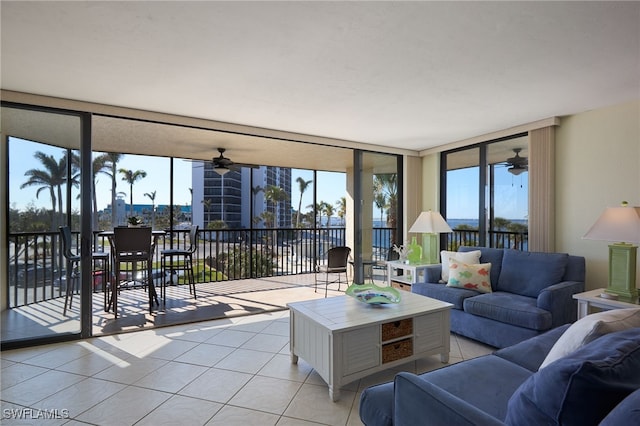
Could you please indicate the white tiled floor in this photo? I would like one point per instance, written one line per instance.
(223, 372)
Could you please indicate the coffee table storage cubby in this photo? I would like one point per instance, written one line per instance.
(344, 339)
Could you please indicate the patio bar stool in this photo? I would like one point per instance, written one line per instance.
(102, 272)
(72, 260)
(172, 260)
(130, 246)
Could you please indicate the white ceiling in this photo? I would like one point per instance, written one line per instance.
(410, 75)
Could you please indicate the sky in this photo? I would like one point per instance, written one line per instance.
(330, 185)
(462, 195)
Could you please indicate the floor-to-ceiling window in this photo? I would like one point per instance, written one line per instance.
(485, 194)
(376, 196)
(44, 180)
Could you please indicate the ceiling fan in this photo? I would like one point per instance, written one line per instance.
(222, 165)
(516, 164)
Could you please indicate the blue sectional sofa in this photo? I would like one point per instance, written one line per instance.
(531, 293)
(598, 383)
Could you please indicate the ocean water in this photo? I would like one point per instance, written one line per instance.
(381, 240)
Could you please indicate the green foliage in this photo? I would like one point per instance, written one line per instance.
(217, 224)
(235, 263)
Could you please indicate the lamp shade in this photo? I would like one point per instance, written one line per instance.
(431, 223)
(221, 170)
(617, 224)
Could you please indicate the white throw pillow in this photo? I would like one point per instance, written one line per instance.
(468, 257)
(590, 328)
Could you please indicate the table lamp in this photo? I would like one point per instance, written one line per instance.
(430, 224)
(622, 225)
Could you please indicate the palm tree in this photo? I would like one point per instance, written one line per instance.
(254, 192)
(51, 178)
(380, 200)
(328, 211)
(274, 195)
(388, 184)
(152, 197)
(111, 161)
(131, 177)
(303, 185)
(207, 205)
(317, 212)
(98, 165)
(342, 208)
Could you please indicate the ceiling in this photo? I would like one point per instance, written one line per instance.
(407, 75)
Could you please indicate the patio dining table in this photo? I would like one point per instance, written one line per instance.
(153, 295)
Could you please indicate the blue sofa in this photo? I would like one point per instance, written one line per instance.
(531, 293)
(599, 382)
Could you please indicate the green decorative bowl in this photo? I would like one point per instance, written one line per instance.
(373, 294)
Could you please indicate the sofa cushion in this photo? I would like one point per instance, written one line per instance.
(466, 257)
(488, 255)
(531, 352)
(528, 273)
(625, 413)
(455, 296)
(509, 308)
(471, 276)
(469, 381)
(583, 387)
(590, 328)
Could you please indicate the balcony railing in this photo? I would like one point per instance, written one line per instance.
(497, 239)
(37, 266)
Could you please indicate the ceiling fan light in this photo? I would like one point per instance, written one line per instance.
(516, 170)
(221, 170)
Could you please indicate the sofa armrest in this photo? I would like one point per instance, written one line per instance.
(433, 273)
(558, 299)
(417, 401)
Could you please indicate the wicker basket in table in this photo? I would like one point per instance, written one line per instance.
(397, 350)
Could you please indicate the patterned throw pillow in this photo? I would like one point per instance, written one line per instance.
(472, 277)
(470, 257)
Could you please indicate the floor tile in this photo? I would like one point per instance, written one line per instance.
(280, 367)
(168, 349)
(181, 410)
(39, 387)
(236, 416)
(131, 370)
(18, 373)
(232, 338)
(245, 360)
(266, 394)
(193, 334)
(89, 365)
(171, 377)
(205, 354)
(279, 328)
(81, 396)
(312, 403)
(125, 407)
(289, 421)
(61, 354)
(209, 385)
(267, 343)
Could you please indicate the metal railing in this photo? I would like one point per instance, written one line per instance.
(497, 239)
(37, 267)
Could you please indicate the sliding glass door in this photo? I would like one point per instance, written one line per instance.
(41, 297)
(485, 194)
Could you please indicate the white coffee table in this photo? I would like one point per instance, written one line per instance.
(344, 339)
